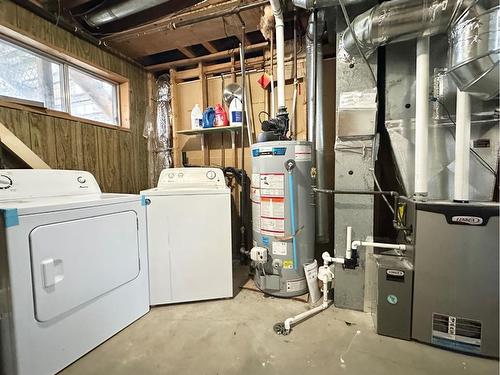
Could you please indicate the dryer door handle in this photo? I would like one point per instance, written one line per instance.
(52, 272)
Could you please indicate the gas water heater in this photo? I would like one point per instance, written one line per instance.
(283, 216)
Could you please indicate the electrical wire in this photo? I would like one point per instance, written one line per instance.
(483, 162)
(263, 112)
(380, 189)
(356, 41)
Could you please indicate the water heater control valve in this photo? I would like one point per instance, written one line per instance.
(258, 254)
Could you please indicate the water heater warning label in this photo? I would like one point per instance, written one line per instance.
(272, 184)
(272, 207)
(280, 248)
(255, 198)
(272, 226)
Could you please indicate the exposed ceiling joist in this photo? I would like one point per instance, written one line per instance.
(211, 57)
(187, 52)
(160, 37)
(210, 47)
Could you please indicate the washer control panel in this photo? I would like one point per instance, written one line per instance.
(33, 183)
(192, 177)
(5, 182)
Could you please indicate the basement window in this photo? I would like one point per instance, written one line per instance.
(32, 77)
(26, 75)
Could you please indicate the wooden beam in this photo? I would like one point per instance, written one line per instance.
(17, 147)
(175, 119)
(196, 60)
(205, 145)
(252, 63)
(210, 47)
(187, 52)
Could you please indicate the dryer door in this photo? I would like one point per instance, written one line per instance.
(77, 261)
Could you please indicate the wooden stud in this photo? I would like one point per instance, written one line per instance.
(175, 118)
(204, 103)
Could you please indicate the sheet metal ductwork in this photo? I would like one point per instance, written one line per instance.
(473, 28)
(121, 10)
(474, 44)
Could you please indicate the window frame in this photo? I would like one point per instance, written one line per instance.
(40, 49)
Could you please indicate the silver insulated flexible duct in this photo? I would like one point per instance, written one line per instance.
(473, 27)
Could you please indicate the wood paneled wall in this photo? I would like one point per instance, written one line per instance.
(117, 157)
(188, 94)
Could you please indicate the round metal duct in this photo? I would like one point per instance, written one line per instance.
(474, 52)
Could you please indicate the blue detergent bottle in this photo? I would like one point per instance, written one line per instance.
(208, 117)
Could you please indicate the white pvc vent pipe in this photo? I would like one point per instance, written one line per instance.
(280, 50)
(462, 141)
(422, 118)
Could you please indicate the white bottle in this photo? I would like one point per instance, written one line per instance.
(196, 117)
(235, 113)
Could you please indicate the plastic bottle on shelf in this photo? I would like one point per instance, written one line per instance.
(235, 113)
(208, 117)
(196, 117)
(220, 116)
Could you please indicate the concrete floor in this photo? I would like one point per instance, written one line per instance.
(235, 337)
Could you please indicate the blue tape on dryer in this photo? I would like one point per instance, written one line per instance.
(10, 217)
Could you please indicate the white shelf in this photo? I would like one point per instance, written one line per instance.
(202, 131)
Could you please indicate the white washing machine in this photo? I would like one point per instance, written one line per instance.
(73, 267)
(189, 236)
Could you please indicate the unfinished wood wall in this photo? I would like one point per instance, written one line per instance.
(187, 94)
(117, 157)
